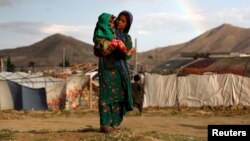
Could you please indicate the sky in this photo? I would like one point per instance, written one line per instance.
(156, 23)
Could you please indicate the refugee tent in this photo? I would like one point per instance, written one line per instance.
(74, 88)
(208, 90)
(17, 93)
(30, 80)
(67, 94)
(160, 90)
(40, 81)
(196, 90)
(34, 99)
(56, 96)
(6, 101)
(25, 98)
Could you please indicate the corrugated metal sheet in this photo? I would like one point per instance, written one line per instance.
(233, 65)
(199, 67)
(171, 66)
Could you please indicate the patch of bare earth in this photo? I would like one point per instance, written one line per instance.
(84, 124)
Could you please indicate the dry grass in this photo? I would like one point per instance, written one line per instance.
(90, 133)
(125, 134)
(5, 134)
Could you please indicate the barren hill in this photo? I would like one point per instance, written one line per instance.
(49, 52)
(225, 38)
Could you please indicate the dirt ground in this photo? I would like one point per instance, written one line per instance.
(84, 124)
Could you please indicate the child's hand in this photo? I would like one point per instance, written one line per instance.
(118, 44)
(121, 46)
(114, 43)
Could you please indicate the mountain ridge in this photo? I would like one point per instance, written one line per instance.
(224, 38)
(49, 52)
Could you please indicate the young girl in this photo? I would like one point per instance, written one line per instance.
(115, 86)
(105, 30)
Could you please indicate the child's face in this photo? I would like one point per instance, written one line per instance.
(122, 23)
(112, 20)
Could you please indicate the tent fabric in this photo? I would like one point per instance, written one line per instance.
(25, 98)
(160, 90)
(67, 94)
(74, 88)
(212, 90)
(29, 80)
(196, 90)
(244, 96)
(34, 99)
(27, 90)
(56, 96)
(6, 101)
(247, 70)
(40, 81)
(16, 92)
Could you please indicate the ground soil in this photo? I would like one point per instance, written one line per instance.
(84, 123)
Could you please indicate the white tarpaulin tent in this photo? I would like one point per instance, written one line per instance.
(18, 97)
(6, 101)
(30, 80)
(24, 91)
(196, 90)
(15, 92)
(160, 90)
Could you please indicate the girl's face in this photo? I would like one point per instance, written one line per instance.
(122, 23)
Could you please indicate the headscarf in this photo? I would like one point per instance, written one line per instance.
(129, 18)
(103, 28)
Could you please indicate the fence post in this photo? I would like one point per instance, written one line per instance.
(91, 92)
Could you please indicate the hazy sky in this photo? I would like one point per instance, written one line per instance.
(157, 23)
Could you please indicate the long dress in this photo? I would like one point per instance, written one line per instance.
(115, 85)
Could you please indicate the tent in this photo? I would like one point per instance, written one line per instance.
(34, 99)
(74, 88)
(196, 90)
(30, 80)
(25, 98)
(6, 101)
(17, 93)
(67, 94)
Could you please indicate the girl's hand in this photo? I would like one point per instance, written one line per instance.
(122, 47)
(131, 51)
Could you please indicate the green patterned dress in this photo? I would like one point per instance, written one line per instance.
(115, 85)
